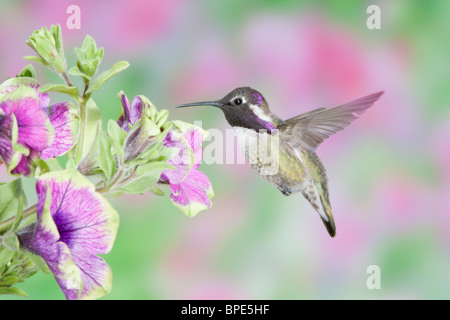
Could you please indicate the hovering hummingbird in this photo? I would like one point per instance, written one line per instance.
(299, 167)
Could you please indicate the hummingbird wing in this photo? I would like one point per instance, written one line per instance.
(309, 129)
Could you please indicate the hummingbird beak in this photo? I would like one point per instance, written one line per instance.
(203, 103)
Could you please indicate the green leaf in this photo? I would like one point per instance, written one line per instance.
(105, 76)
(43, 167)
(10, 194)
(116, 134)
(106, 160)
(13, 290)
(141, 184)
(89, 47)
(165, 128)
(52, 164)
(18, 219)
(93, 122)
(70, 164)
(74, 71)
(96, 62)
(11, 242)
(72, 90)
(152, 152)
(48, 46)
(150, 109)
(15, 267)
(165, 154)
(156, 191)
(57, 35)
(36, 59)
(161, 117)
(99, 54)
(113, 193)
(117, 137)
(133, 163)
(153, 168)
(39, 262)
(150, 128)
(5, 257)
(10, 280)
(28, 72)
(88, 68)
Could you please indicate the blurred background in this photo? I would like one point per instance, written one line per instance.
(389, 171)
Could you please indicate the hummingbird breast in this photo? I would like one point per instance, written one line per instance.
(272, 158)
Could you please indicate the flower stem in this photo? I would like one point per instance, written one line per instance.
(112, 184)
(130, 177)
(9, 222)
(67, 79)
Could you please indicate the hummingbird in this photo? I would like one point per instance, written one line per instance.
(299, 169)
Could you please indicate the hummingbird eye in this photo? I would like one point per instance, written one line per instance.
(237, 101)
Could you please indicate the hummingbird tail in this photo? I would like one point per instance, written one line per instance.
(318, 197)
(330, 225)
(328, 219)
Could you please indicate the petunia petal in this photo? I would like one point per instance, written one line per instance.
(191, 189)
(64, 119)
(137, 108)
(124, 118)
(56, 253)
(12, 84)
(25, 163)
(195, 138)
(182, 162)
(130, 114)
(34, 127)
(9, 156)
(96, 275)
(24, 129)
(193, 194)
(81, 220)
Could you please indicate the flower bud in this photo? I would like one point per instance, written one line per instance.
(48, 46)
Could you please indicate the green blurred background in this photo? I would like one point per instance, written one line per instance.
(389, 171)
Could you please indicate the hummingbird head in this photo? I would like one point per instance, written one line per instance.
(243, 107)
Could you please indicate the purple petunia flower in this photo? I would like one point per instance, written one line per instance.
(130, 114)
(29, 128)
(191, 189)
(25, 130)
(74, 224)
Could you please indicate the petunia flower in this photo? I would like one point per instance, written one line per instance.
(130, 114)
(64, 119)
(74, 224)
(191, 189)
(25, 130)
(138, 122)
(42, 130)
